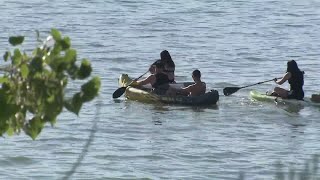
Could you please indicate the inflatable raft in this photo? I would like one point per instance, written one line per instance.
(145, 94)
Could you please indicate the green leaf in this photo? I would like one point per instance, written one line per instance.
(53, 109)
(50, 99)
(56, 49)
(10, 131)
(34, 127)
(90, 89)
(65, 43)
(85, 69)
(16, 40)
(56, 34)
(36, 64)
(4, 80)
(17, 57)
(3, 126)
(53, 121)
(24, 71)
(6, 111)
(6, 56)
(73, 71)
(70, 56)
(74, 105)
(64, 82)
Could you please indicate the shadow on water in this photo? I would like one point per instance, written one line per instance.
(291, 110)
(170, 107)
(88, 143)
(162, 109)
(310, 171)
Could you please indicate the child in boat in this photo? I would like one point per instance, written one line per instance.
(158, 79)
(169, 66)
(196, 89)
(295, 78)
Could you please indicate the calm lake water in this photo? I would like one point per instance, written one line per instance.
(233, 43)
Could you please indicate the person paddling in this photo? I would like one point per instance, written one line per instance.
(158, 79)
(196, 89)
(169, 66)
(296, 80)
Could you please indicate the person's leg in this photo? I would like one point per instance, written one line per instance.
(171, 91)
(162, 89)
(280, 92)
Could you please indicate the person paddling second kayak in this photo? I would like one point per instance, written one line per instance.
(295, 78)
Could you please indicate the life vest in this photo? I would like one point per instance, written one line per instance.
(296, 85)
(161, 79)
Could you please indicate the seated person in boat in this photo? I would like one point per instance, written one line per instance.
(158, 80)
(196, 89)
(169, 66)
(295, 78)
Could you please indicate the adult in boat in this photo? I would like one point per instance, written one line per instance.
(169, 66)
(295, 78)
(196, 89)
(158, 79)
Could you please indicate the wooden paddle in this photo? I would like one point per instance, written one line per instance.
(119, 92)
(230, 90)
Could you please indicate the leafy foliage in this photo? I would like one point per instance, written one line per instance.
(33, 87)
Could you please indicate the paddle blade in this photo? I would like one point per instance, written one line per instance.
(119, 92)
(230, 90)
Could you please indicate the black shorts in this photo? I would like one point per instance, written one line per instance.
(295, 95)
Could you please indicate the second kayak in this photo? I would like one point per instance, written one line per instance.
(256, 95)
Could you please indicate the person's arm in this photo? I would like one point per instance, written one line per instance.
(149, 80)
(187, 90)
(152, 69)
(284, 79)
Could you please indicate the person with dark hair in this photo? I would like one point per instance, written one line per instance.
(196, 89)
(296, 80)
(157, 79)
(169, 66)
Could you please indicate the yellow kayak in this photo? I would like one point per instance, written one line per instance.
(145, 94)
(258, 96)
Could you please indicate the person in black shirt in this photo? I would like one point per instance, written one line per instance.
(158, 79)
(296, 80)
(169, 66)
